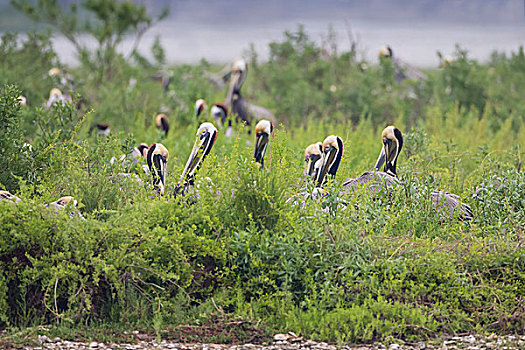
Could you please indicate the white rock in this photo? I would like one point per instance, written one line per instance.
(93, 345)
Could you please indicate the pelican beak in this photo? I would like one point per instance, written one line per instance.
(326, 163)
(333, 149)
(381, 158)
(234, 86)
(157, 159)
(313, 162)
(261, 141)
(206, 136)
(263, 129)
(160, 162)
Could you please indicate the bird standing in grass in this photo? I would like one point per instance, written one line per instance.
(245, 111)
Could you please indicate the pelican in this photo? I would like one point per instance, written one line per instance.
(140, 152)
(102, 129)
(163, 77)
(56, 97)
(200, 104)
(237, 104)
(161, 121)
(205, 139)
(219, 112)
(22, 101)
(321, 159)
(62, 203)
(312, 158)
(332, 151)
(157, 159)
(403, 69)
(263, 130)
(392, 139)
(7, 196)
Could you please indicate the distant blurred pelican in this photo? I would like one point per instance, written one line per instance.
(403, 69)
(244, 110)
(102, 129)
(161, 121)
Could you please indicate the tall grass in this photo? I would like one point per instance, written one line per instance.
(387, 267)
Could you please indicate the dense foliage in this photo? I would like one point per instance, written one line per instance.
(385, 268)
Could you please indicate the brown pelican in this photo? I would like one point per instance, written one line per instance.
(263, 130)
(320, 159)
(163, 77)
(332, 151)
(219, 113)
(392, 139)
(312, 156)
(200, 104)
(392, 144)
(161, 121)
(6, 196)
(61, 78)
(140, 152)
(22, 101)
(237, 104)
(63, 203)
(56, 97)
(403, 69)
(157, 159)
(102, 129)
(205, 139)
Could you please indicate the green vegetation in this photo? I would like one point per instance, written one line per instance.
(386, 268)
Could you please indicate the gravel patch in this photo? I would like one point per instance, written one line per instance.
(292, 342)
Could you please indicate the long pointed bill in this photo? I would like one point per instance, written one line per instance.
(380, 159)
(234, 82)
(311, 165)
(160, 166)
(201, 148)
(261, 142)
(326, 164)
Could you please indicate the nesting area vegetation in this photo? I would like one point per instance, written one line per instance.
(383, 267)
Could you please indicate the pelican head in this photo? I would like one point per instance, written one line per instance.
(392, 145)
(263, 130)
(205, 139)
(385, 51)
(157, 159)
(7, 196)
(61, 203)
(199, 106)
(53, 72)
(238, 74)
(143, 150)
(219, 112)
(161, 121)
(22, 101)
(55, 93)
(312, 158)
(65, 201)
(332, 151)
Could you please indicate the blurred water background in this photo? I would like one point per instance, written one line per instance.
(221, 30)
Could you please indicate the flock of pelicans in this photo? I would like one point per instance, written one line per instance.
(322, 159)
